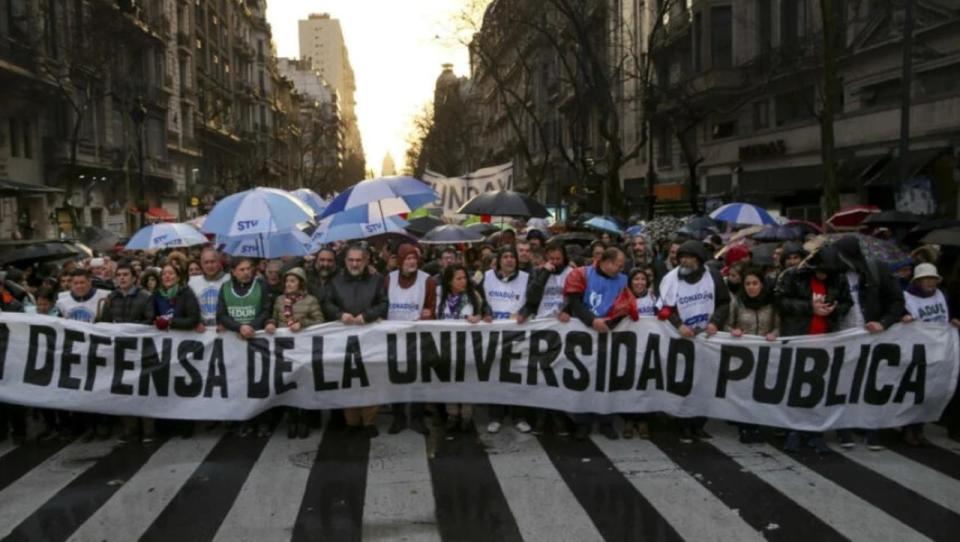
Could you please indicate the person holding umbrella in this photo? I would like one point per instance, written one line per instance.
(296, 310)
(412, 296)
(505, 290)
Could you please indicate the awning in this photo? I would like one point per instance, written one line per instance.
(15, 187)
(918, 162)
(159, 213)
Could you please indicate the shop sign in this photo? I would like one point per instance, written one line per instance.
(762, 151)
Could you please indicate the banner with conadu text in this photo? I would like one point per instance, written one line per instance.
(904, 375)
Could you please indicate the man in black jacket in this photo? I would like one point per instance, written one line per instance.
(357, 297)
(13, 418)
(128, 304)
(877, 304)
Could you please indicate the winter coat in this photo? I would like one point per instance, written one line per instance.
(759, 321)
(136, 308)
(794, 300)
(363, 294)
(306, 311)
(186, 308)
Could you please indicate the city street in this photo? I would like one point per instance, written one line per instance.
(502, 487)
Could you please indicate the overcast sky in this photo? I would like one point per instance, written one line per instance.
(396, 48)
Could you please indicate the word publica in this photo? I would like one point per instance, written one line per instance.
(812, 377)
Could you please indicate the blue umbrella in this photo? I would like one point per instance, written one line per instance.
(386, 196)
(743, 213)
(634, 230)
(603, 224)
(273, 245)
(328, 232)
(259, 211)
(166, 235)
(311, 198)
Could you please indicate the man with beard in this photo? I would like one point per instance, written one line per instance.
(591, 293)
(324, 269)
(505, 290)
(412, 295)
(641, 256)
(357, 297)
(524, 256)
(207, 286)
(694, 299)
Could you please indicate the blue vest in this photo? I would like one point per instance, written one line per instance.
(601, 291)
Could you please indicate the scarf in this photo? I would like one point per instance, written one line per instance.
(289, 300)
(169, 293)
(916, 290)
(755, 303)
(455, 304)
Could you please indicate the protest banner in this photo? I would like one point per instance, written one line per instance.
(849, 379)
(455, 191)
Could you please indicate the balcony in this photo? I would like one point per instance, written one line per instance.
(18, 54)
(184, 42)
(244, 50)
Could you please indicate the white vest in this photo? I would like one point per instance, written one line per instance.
(208, 292)
(854, 318)
(553, 300)
(81, 311)
(695, 303)
(406, 303)
(505, 298)
(647, 305)
(927, 309)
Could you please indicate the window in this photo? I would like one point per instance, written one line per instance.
(794, 105)
(698, 42)
(940, 80)
(14, 138)
(721, 36)
(27, 140)
(764, 25)
(793, 22)
(725, 129)
(665, 146)
(761, 115)
(880, 94)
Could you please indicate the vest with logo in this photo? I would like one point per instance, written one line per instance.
(553, 300)
(406, 303)
(602, 291)
(927, 309)
(505, 298)
(243, 308)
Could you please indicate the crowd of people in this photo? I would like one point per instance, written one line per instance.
(515, 275)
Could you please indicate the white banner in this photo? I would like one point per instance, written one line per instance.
(455, 191)
(848, 379)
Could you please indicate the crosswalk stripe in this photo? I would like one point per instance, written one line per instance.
(73, 504)
(762, 506)
(937, 436)
(618, 510)
(32, 490)
(462, 477)
(22, 459)
(332, 505)
(938, 459)
(269, 500)
(916, 477)
(399, 502)
(131, 510)
(211, 488)
(543, 506)
(911, 508)
(674, 493)
(853, 517)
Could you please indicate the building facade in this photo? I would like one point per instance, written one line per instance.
(113, 109)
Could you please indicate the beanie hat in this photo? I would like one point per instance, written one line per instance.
(405, 250)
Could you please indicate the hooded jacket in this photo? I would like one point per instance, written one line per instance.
(879, 293)
(794, 296)
(721, 295)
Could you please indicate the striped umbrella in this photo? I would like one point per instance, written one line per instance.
(743, 213)
(257, 211)
(386, 196)
(311, 198)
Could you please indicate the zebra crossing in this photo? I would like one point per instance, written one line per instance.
(502, 487)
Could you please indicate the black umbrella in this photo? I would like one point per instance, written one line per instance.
(451, 234)
(949, 236)
(574, 238)
(893, 219)
(762, 254)
(923, 228)
(99, 239)
(41, 252)
(422, 225)
(483, 228)
(504, 203)
(778, 233)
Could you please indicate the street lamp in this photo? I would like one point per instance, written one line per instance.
(139, 115)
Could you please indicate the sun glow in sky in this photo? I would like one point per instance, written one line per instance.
(396, 48)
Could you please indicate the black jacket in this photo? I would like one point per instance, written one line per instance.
(186, 309)
(721, 296)
(879, 293)
(794, 300)
(536, 285)
(355, 295)
(136, 308)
